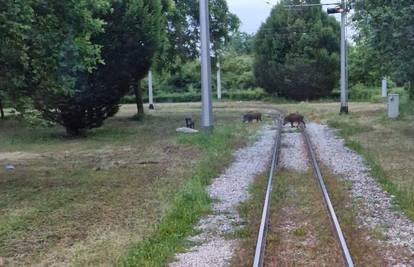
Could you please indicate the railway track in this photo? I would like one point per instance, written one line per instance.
(336, 228)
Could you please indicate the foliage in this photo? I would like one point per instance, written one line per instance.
(81, 64)
(240, 95)
(183, 31)
(240, 43)
(237, 72)
(387, 29)
(43, 51)
(360, 92)
(184, 79)
(296, 52)
(363, 69)
(411, 91)
(236, 75)
(15, 26)
(126, 63)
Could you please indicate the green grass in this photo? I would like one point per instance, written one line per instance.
(404, 197)
(191, 202)
(74, 210)
(299, 232)
(348, 128)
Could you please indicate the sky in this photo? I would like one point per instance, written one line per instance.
(253, 13)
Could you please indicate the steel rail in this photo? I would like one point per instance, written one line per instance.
(261, 239)
(334, 219)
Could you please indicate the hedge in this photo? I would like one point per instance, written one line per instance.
(247, 95)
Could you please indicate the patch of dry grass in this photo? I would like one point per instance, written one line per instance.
(84, 201)
(300, 224)
(299, 232)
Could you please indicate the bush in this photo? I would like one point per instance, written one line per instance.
(297, 53)
(362, 92)
(399, 90)
(245, 95)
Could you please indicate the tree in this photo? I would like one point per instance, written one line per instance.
(130, 41)
(296, 52)
(1, 109)
(15, 17)
(363, 69)
(387, 29)
(61, 55)
(240, 43)
(99, 59)
(182, 27)
(238, 72)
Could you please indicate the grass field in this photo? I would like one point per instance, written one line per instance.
(88, 201)
(118, 195)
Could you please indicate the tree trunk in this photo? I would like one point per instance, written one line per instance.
(138, 98)
(72, 132)
(1, 110)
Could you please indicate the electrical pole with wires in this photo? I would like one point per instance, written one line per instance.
(206, 99)
(344, 61)
(343, 9)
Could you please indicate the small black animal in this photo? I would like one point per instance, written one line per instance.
(294, 117)
(189, 122)
(251, 116)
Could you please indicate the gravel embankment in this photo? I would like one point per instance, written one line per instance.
(374, 205)
(229, 190)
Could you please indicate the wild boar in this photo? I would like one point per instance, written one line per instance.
(294, 118)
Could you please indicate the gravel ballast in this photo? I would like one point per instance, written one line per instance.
(293, 155)
(228, 191)
(375, 209)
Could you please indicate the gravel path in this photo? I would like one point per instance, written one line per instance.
(375, 206)
(229, 190)
(293, 155)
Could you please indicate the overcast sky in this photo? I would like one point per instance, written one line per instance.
(253, 13)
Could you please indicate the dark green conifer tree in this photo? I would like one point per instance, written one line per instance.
(297, 52)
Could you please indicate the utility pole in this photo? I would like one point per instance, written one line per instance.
(150, 92)
(218, 81)
(206, 101)
(384, 87)
(344, 59)
(343, 9)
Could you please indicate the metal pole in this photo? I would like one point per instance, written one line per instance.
(384, 87)
(218, 81)
(150, 93)
(206, 101)
(344, 80)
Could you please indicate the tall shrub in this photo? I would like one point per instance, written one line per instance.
(296, 52)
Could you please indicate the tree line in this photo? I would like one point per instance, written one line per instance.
(297, 49)
(74, 60)
(384, 43)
